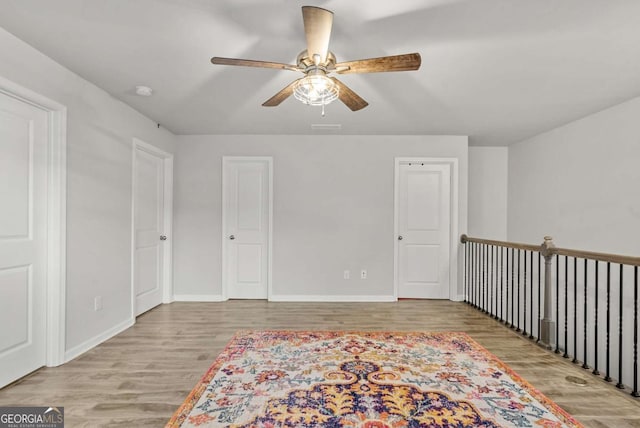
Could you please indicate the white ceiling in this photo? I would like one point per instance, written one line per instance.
(497, 70)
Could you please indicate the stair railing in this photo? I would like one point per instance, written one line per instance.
(582, 304)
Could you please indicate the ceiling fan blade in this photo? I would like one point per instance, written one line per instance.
(252, 63)
(280, 96)
(404, 62)
(317, 28)
(348, 97)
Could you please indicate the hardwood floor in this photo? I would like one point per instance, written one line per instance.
(140, 377)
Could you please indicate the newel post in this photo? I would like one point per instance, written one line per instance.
(547, 324)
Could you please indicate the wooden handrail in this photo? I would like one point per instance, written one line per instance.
(518, 246)
(603, 257)
(580, 254)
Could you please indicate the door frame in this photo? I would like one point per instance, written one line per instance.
(225, 167)
(453, 220)
(56, 206)
(167, 252)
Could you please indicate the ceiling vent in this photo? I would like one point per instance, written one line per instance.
(326, 127)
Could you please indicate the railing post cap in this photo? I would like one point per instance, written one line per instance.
(546, 249)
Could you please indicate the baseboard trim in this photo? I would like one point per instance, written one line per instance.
(85, 346)
(338, 298)
(458, 298)
(198, 298)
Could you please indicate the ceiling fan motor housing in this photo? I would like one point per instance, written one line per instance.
(306, 63)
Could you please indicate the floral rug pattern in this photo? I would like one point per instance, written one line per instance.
(268, 379)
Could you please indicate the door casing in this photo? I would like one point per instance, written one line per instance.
(225, 162)
(56, 217)
(453, 246)
(167, 253)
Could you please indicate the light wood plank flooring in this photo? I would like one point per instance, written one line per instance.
(140, 377)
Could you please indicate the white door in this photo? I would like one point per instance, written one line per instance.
(246, 225)
(23, 241)
(423, 236)
(148, 229)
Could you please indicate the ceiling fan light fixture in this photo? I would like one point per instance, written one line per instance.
(316, 90)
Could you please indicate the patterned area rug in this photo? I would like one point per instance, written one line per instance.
(363, 379)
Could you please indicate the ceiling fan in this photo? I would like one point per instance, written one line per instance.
(317, 62)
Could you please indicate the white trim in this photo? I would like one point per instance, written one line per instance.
(270, 264)
(85, 346)
(223, 233)
(330, 298)
(225, 162)
(167, 227)
(167, 262)
(198, 298)
(454, 226)
(56, 217)
(57, 238)
(132, 279)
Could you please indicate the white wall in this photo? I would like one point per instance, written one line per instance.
(333, 209)
(488, 192)
(580, 183)
(99, 143)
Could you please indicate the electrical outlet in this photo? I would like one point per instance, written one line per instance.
(97, 303)
(363, 274)
(347, 274)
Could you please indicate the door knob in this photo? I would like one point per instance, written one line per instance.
(400, 238)
(163, 238)
(232, 237)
